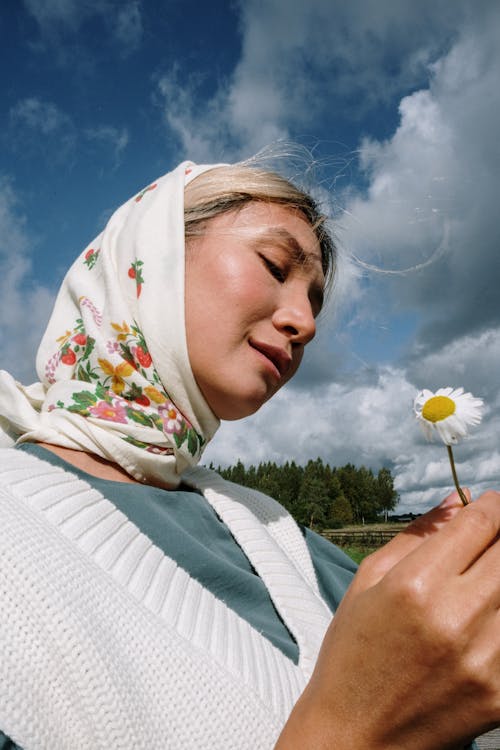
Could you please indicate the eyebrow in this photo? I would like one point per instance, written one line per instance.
(300, 257)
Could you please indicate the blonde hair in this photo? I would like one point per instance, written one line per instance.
(228, 188)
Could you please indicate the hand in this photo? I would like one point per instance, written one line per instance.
(412, 657)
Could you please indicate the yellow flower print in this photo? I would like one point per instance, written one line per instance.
(122, 330)
(64, 338)
(154, 394)
(123, 370)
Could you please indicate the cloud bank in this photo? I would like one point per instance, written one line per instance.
(429, 204)
(24, 304)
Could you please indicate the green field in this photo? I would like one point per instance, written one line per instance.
(358, 553)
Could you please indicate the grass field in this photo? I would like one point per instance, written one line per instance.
(358, 553)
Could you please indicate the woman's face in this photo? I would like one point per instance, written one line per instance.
(254, 285)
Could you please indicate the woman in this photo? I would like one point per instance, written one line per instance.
(149, 603)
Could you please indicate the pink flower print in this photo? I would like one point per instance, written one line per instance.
(112, 346)
(51, 366)
(113, 412)
(86, 302)
(171, 418)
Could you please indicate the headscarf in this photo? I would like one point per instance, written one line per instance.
(113, 362)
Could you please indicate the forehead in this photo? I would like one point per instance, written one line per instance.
(273, 224)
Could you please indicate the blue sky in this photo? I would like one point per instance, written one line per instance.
(401, 105)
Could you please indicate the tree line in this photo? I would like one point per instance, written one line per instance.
(320, 496)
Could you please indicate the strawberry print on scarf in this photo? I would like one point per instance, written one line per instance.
(115, 378)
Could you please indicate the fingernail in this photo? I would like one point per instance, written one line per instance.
(451, 500)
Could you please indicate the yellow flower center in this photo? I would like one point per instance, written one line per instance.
(438, 408)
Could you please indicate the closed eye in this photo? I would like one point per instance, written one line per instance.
(274, 270)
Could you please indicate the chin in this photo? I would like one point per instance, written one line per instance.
(232, 410)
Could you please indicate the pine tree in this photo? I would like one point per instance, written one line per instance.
(319, 496)
(341, 513)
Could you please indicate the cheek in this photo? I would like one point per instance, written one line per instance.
(213, 296)
(233, 277)
(234, 291)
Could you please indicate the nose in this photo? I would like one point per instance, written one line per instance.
(295, 317)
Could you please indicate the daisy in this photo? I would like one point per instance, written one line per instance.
(450, 412)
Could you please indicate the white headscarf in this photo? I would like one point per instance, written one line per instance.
(113, 362)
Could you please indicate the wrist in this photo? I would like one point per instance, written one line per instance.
(313, 726)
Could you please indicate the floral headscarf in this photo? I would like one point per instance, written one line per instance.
(113, 362)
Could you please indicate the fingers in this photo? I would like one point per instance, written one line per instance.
(462, 541)
(483, 580)
(447, 539)
(407, 541)
(483, 575)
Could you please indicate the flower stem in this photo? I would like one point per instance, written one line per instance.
(460, 491)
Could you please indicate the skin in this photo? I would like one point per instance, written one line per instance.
(247, 339)
(412, 657)
(93, 465)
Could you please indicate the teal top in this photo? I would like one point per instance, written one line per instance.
(187, 529)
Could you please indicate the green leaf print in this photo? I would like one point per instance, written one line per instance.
(192, 442)
(139, 417)
(84, 399)
(82, 374)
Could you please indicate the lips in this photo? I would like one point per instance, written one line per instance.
(279, 357)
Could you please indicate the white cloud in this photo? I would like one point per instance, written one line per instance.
(472, 361)
(298, 57)
(432, 193)
(114, 138)
(342, 422)
(128, 25)
(365, 424)
(39, 125)
(44, 117)
(24, 305)
(198, 125)
(58, 18)
(69, 13)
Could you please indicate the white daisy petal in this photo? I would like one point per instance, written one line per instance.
(448, 411)
(444, 392)
(447, 435)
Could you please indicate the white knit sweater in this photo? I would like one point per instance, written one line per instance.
(105, 642)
